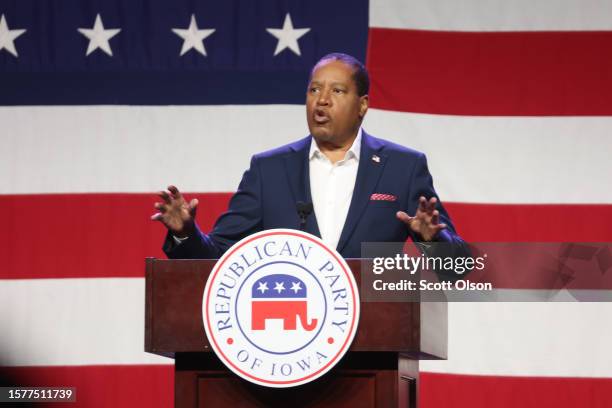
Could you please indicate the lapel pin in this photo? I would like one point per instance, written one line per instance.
(376, 159)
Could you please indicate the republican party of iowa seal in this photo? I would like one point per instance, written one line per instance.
(280, 308)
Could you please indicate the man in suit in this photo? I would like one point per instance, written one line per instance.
(361, 188)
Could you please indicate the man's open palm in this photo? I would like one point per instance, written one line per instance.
(426, 221)
(175, 212)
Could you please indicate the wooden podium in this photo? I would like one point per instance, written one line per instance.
(379, 370)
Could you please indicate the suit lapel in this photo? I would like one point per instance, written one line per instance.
(371, 165)
(298, 173)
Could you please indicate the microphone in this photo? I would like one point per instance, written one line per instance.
(303, 210)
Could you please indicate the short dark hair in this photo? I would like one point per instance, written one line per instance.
(360, 74)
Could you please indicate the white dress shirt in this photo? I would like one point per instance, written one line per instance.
(331, 188)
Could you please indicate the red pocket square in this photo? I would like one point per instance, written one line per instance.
(382, 197)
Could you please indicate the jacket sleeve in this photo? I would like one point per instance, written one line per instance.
(243, 217)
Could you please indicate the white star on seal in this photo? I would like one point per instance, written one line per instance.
(279, 286)
(263, 286)
(7, 37)
(287, 36)
(193, 37)
(99, 37)
(295, 286)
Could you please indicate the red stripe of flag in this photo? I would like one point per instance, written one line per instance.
(152, 386)
(109, 235)
(474, 391)
(491, 73)
(115, 386)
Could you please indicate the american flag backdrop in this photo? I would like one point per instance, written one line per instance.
(104, 102)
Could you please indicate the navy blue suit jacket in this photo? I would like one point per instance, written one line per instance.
(278, 179)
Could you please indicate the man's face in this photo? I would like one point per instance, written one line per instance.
(334, 109)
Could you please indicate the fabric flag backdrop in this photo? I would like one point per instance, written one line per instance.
(106, 102)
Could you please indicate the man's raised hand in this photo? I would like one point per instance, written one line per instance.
(426, 221)
(175, 212)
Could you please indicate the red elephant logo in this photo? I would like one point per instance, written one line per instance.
(282, 297)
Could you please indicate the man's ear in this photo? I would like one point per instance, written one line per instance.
(364, 103)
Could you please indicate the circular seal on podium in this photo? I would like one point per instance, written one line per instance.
(280, 308)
